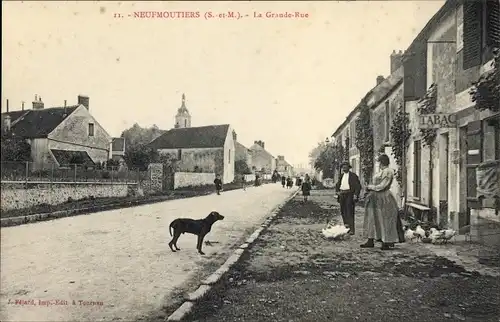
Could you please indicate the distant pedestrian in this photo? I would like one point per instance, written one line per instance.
(289, 183)
(218, 184)
(243, 182)
(306, 187)
(283, 181)
(298, 181)
(257, 180)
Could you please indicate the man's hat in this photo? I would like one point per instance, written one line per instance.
(345, 163)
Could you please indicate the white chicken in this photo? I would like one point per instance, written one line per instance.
(435, 235)
(449, 234)
(335, 232)
(410, 234)
(419, 232)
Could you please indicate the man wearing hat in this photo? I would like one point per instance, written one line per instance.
(348, 188)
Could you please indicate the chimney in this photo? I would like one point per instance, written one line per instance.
(7, 102)
(6, 123)
(234, 136)
(65, 102)
(83, 100)
(396, 60)
(37, 103)
(262, 144)
(380, 79)
(22, 106)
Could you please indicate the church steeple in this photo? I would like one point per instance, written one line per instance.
(183, 118)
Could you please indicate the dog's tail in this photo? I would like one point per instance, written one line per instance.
(170, 227)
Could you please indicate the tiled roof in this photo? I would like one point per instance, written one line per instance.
(240, 146)
(38, 123)
(65, 157)
(118, 144)
(212, 136)
(258, 148)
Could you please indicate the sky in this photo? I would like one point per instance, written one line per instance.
(288, 82)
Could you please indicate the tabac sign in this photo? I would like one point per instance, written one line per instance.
(437, 121)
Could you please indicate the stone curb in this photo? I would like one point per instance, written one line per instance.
(207, 284)
(21, 220)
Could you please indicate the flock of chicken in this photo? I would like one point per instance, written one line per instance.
(433, 235)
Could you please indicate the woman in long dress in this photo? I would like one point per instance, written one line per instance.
(381, 209)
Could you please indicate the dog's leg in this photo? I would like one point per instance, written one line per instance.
(200, 244)
(174, 241)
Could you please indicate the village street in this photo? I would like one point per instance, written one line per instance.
(293, 273)
(120, 259)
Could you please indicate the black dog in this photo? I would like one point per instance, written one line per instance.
(199, 227)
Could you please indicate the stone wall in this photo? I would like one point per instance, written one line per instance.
(193, 179)
(204, 160)
(249, 177)
(23, 195)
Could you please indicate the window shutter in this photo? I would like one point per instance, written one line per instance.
(409, 76)
(474, 157)
(472, 34)
(493, 26)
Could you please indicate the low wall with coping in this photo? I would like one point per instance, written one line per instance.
(249, 177)
(21, 194)
(192, 179)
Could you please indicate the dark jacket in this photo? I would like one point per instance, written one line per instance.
(354, 184)
(218, 183)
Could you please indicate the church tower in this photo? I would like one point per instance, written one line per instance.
(183, 118)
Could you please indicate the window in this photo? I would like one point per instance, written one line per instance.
(179, 154)
(387, 121)
(340, 140)
(229, 157)
(91, 129)
(481, 31)
(185, 122)
(474, 156)
(417, 168)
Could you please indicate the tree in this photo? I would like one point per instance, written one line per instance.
(241, 167)
(315, 152)
(137, 136)
(15, 149)
(329, 160)
(139, 157)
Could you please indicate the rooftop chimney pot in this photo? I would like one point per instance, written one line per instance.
(83, 100)
(7, 106)
(380, 79)
(37, 103)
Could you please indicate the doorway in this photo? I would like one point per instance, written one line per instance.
(443, 179)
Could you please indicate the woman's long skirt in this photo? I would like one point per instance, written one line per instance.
(382, 217)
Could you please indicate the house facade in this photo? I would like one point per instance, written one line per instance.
(209, 149)
(262, 160)
(283, 167)
(383, 101)
(60, 136)
(454, 49)
(117, 149)
(242, 152)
